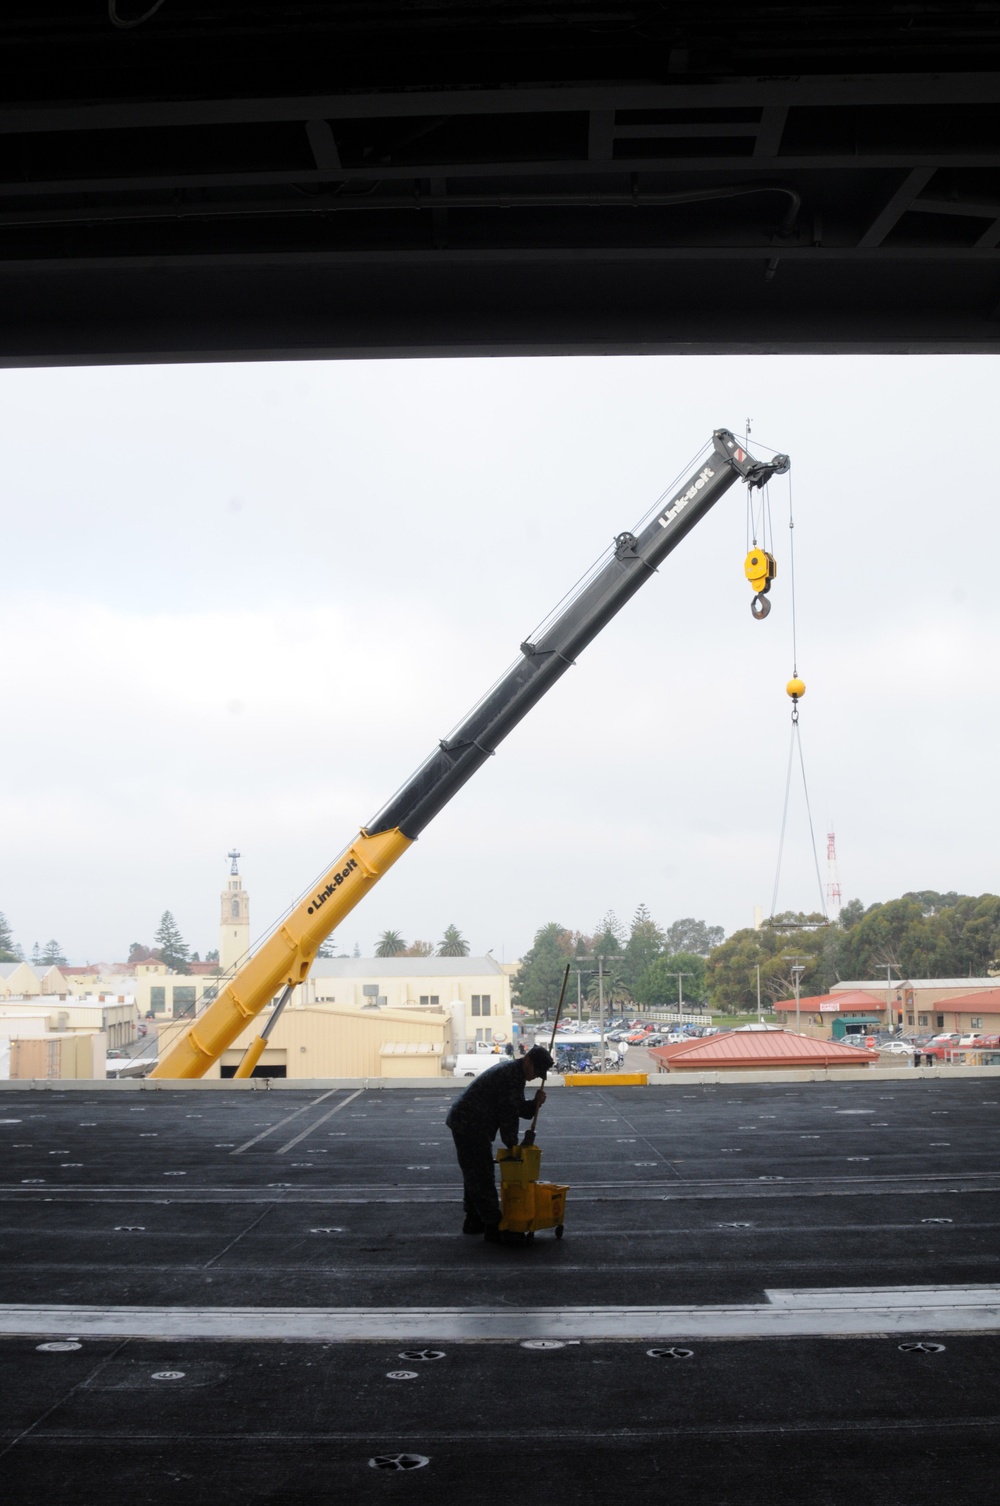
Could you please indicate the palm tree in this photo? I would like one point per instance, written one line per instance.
(390, 944)
(453, 944)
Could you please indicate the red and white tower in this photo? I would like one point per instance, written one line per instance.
(832, 877)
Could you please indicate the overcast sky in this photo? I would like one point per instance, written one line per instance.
(241, 603)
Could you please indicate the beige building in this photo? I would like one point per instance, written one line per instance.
(380, 1017)
(333, 1041)
(19, 979)
(113, 1017)
(924, 1003)
(174, 996)
(474, 990)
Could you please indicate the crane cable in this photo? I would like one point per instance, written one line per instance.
(796, 689)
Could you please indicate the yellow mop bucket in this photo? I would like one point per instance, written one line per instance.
(526, 1203)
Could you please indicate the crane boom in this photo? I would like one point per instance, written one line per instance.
(285, 957)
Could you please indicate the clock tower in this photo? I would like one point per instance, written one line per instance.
(234, 930)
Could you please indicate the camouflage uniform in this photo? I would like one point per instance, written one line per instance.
(492, 1104)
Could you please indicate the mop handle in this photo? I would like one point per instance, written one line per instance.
(555, 1027)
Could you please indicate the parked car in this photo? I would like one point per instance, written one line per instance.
(897, 1048)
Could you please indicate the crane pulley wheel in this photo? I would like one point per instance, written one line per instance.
(760, 606)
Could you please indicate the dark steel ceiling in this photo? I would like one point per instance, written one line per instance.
(237, 180)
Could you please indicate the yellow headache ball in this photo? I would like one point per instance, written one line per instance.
(796, 689)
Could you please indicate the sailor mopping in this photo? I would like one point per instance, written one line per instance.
(492, 1104)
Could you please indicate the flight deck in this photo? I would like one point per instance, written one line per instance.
(767, 1292)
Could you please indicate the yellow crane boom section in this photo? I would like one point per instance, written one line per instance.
(286, 956)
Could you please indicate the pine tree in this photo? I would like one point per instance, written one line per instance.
(172, 946)
(644, 945)
(7, 951)
(52, 955)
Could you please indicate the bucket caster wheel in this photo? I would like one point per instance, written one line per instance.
(559, 1231)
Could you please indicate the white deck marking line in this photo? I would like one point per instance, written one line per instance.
(287, 1120)
(321, 1120)
(810, 1312)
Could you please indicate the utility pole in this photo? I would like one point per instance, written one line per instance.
(798, 968)
(680, 991)
(579, 996)
(600, 1005)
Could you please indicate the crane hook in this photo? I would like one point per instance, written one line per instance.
(760, 568)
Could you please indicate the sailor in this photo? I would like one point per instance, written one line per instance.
(492, 1104)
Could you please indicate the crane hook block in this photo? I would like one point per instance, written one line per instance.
(760, 568)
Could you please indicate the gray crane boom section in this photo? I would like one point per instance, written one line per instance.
(567, 632)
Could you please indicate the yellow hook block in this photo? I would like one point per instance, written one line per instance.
(760, 568)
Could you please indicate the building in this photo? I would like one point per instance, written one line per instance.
(764, 1050)
(112, 1015)
(918, 1005)
(18, 979)
(834, 1016)
(234, 919)
(174, 996)
(379, 1017)
(476, 990)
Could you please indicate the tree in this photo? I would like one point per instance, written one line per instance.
(930, 901)
(138, 953)
(390, 944)
(918, 937)
(453, 944)
(212, 956)
(609, 937)
(36, 955)
(731, 972)
(420, 949)
(851, 913)
(690, 935)
(326, 948)
(537, 982)
(657, 984)
(7, 952)
(884, 937)
(172, 947)
(645, 943)
(52, 955)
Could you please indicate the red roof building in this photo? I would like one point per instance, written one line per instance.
(758, 1049)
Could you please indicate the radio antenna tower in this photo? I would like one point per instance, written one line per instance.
(832, 877)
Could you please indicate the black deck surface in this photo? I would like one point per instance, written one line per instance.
(687, 1196)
